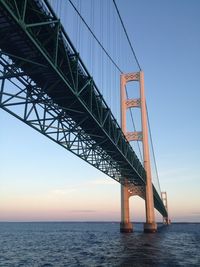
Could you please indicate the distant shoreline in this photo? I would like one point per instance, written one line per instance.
(89, 222)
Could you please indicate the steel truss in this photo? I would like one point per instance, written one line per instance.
(21, 97)
(45, 84)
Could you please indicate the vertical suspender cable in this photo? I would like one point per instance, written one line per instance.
(97, 40)
(151, 141)
(134, 54)
(135, 57)
(108, 55)
(101, 39)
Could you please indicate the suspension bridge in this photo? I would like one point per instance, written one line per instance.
(45, 83)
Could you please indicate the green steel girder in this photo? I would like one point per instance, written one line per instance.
(90, 98)
(38, 111)
(55, 80)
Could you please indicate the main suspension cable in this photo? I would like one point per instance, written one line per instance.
(136, 59)
(115, 64)
(125, 31)
(134, 127)
(119, 69)
(90, 30)
(151, 140)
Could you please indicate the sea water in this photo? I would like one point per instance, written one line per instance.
(76, 244)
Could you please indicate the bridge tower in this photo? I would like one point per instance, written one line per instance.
(166, 220)
(126, 189)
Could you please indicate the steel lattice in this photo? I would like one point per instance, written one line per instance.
(45, 84)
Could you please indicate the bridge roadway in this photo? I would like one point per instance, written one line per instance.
(36, 52)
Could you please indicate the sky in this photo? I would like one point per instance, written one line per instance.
(41, 181)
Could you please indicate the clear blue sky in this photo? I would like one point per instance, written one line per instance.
(41, 181)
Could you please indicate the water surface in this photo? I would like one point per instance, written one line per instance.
(97, 244)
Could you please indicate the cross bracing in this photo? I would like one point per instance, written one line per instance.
(45, 84)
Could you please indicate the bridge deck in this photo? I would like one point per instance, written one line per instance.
(33, 38)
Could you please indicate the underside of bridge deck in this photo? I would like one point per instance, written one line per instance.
(45, 84)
